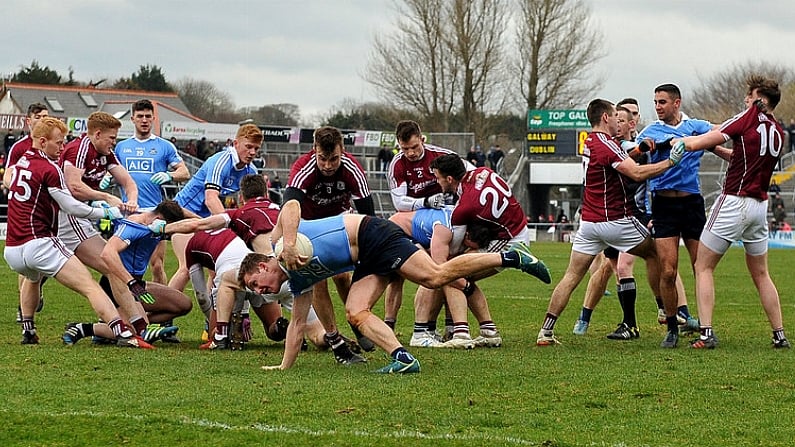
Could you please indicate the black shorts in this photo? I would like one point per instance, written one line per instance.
(683, 217)
(383, 248)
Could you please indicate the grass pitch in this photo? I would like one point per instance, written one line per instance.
(588, 392)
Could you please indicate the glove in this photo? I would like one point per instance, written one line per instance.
(106, 181)
(138, 289)
(99, 204)
(677, 152)
(158, 226)
(664, 145)
(112, 213)
(646, 145)
(435, 201)
(247, 333)
(159, 178)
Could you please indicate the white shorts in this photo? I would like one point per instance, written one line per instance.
(733, 219)
(230, 258)
(37, 258)
(498, 245)
(622, 234)
(74, 230)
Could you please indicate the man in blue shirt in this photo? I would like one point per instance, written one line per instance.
(152, 162)
(677, 205)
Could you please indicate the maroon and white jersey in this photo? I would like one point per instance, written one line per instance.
(487, 199)
(414, 178)
(328, 196)
(81, 154)
(20, 147)
(255, 217)
(606, 196)
(32, 212)
(757, 139)
(205, 247)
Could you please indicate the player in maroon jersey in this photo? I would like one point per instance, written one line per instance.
(252, 222)
(84, 162)
(36, 111)
(740, 212)
(484, 199)
(411, 180)
(36, 193)
(413, 186)
(607, 217)
(325, 181)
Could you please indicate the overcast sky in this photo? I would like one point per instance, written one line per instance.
(312, 52)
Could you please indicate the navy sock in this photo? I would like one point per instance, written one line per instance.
(682, 310)
(549, 322)
(400, 354)
(510, 259)
(585, 314)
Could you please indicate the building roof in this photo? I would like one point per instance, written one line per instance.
(71, 101)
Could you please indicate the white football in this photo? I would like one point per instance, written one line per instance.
(302, 244)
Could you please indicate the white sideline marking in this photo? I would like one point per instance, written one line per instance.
(266, 428)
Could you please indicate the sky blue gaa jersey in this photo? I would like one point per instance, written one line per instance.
(332, 253)
(144, 158)
(684, 176)
(141, 243)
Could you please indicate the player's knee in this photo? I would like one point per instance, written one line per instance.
(358, 318)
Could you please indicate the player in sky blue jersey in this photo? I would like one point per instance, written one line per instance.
(127, 255)
(220, 174)
(152, 162)
(677, 205)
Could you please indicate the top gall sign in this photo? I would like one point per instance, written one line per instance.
(557, 119)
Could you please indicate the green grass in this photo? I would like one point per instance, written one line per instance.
(588, 392)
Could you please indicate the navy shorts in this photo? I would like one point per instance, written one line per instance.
(383, 248)
(683, 217)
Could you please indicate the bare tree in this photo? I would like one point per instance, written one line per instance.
(557, 48)
(720, 96)
(206, 101)
(413, 67)
(476, 42)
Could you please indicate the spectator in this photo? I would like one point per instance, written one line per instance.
(385, 156)
(775, 201)
(70, 136)
(774, 188)
(9, 141)
(275, 190)
(190, 148)
(201, 149)
(791, 132)
(784, 226)
(173, 141)
(779, 213)
(472, 156)
(496, 159)
(259, 163)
